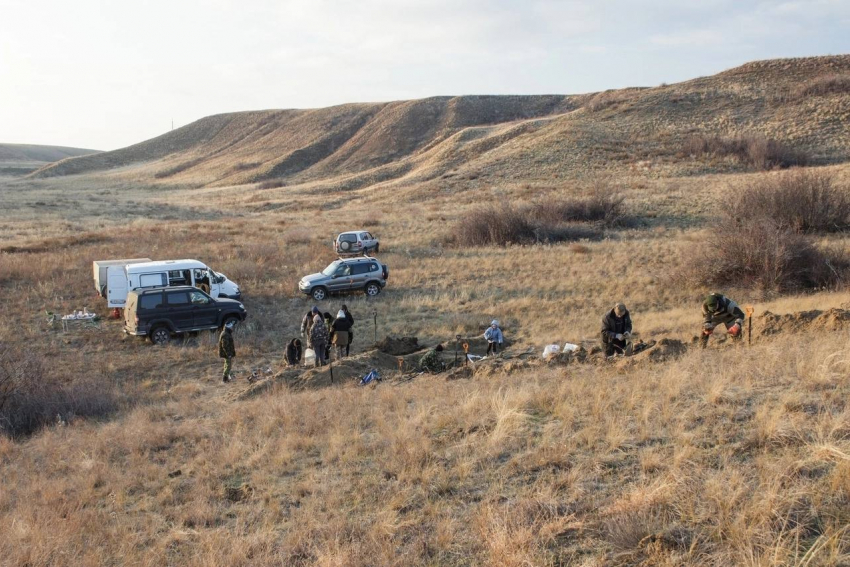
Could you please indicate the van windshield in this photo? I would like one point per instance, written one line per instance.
(331, 269)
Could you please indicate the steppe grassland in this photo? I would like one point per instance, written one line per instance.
(739, 458)
(724, 457)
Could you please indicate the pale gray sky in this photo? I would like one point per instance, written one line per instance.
(104, 74)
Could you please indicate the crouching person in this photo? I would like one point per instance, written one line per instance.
(616, 328)
(431, 361)
(720, 310)
(227, 350)
(293, 352)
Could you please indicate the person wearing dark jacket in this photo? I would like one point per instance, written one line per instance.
(350, 329)
(339, 333)
(716, 310)
(293, 352)
(319, 339)
(227, 350)
(616, 328)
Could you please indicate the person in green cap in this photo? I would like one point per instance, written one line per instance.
(718, 309)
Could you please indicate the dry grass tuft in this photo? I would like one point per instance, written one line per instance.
(823, 86)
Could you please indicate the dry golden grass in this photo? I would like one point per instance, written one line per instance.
(728, 456)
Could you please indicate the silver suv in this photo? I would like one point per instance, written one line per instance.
(356, 242)
(346, 275)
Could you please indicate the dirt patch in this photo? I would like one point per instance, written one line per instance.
(399, 346)
(769, 324)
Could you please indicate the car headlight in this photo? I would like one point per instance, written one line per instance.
(241, 306)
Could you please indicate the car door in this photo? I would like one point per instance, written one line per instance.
(341, 279)
(204, 308)
(368, 241)
(359, 275)
(150, 307)
(180, 310)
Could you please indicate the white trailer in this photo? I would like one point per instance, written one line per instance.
(101, 272)
(121, 279)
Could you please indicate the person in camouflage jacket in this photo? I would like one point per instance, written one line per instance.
(431, 361)
(227, 351)
(319, 339)
(718, 309)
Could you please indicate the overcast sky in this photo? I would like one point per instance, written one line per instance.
(104, 74)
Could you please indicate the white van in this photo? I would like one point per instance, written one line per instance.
(102, 268)
(121, 279)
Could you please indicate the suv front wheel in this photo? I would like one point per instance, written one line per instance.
(319, 293)
(372, 289)
(160, 336)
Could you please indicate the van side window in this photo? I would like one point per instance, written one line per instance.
(198, 298)
(179, 277)
(151, 280)
(151, 301)
(179, 298)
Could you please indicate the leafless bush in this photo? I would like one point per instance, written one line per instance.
(756, 152)
(246, 165)
(272, 184)
(826, 85)
(494, 225)
(29, 400)
(802, 201)
(604, 205)
(762, 255)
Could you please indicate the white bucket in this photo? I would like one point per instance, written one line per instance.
(309, 357)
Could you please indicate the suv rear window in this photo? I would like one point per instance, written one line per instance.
(150, 301)
(179, 298)
(348, 238)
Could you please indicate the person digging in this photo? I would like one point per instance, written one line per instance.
(718, 309)
(616, 329)
(431, 360)
(227, 350)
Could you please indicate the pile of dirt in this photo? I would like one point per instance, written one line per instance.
(769, 324)
(399, 346)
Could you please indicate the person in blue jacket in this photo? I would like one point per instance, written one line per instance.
(494, 337)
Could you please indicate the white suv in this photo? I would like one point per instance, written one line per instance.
(356, 242)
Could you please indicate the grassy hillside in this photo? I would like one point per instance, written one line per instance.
(21, 159)
(508, 137)
(732, 455)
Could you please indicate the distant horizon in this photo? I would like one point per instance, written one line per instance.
(105, 76)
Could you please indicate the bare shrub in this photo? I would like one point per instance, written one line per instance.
(272, 184)
(29, 400)
(246, 165)
(802, 201)
(760, 254)
(826, 85)
(754, 151)
(494, 225)
(603, 205)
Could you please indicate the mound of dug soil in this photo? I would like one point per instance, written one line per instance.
(772, 324)
(399, 346)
